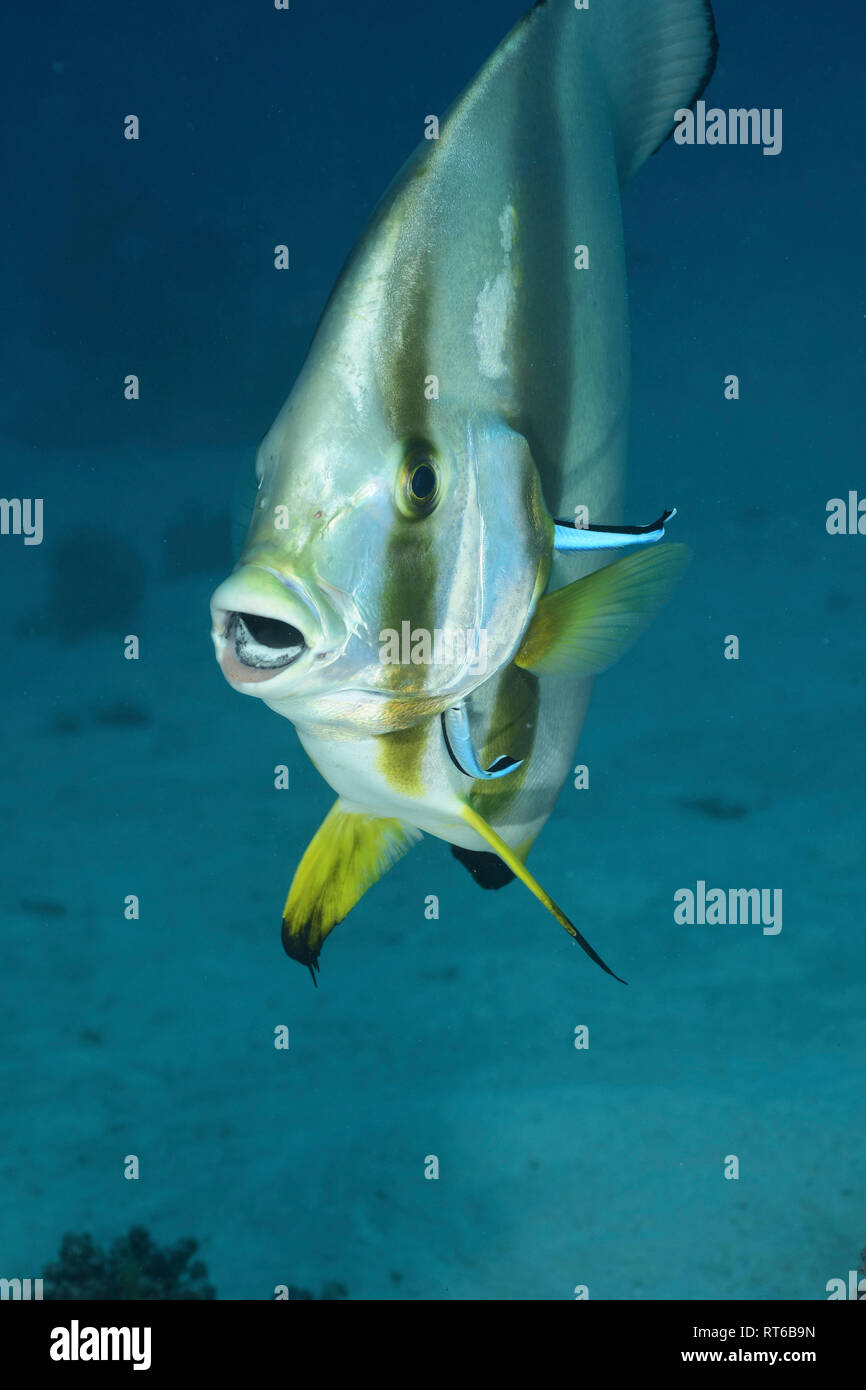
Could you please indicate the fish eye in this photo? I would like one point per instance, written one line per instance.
(419, 484)
(422, 483)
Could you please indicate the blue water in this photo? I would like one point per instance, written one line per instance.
(154, 1037)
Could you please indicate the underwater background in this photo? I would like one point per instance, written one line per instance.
(154, 1037)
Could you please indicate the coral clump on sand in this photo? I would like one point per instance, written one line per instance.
(135, 1268)
(330, 1291)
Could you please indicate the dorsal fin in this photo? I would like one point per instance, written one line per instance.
(439, 275)
(657, 56)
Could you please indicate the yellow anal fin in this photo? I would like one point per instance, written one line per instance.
(349, 852)
(585, 627)
(509, 857)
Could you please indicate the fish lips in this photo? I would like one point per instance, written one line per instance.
(262, 627)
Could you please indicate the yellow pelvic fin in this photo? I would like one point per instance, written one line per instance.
(349, 852)
(585, 627)
(511, 858)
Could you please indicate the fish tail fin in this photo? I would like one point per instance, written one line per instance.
(350, 851)
(519, 869)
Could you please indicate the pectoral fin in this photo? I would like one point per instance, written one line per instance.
(349, 852)
(585, 627)
(519, 869)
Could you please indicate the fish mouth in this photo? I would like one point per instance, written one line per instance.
(264, 644)
(263, 625)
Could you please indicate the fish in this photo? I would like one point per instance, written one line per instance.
(424, 589)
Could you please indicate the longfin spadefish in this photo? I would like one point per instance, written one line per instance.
(585, 627)
(519, 869)
(349, 852)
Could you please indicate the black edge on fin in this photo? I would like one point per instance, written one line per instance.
(300, 952)
(487, 869)
(584, 945)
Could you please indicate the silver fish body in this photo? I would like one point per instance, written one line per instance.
(468, 384)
